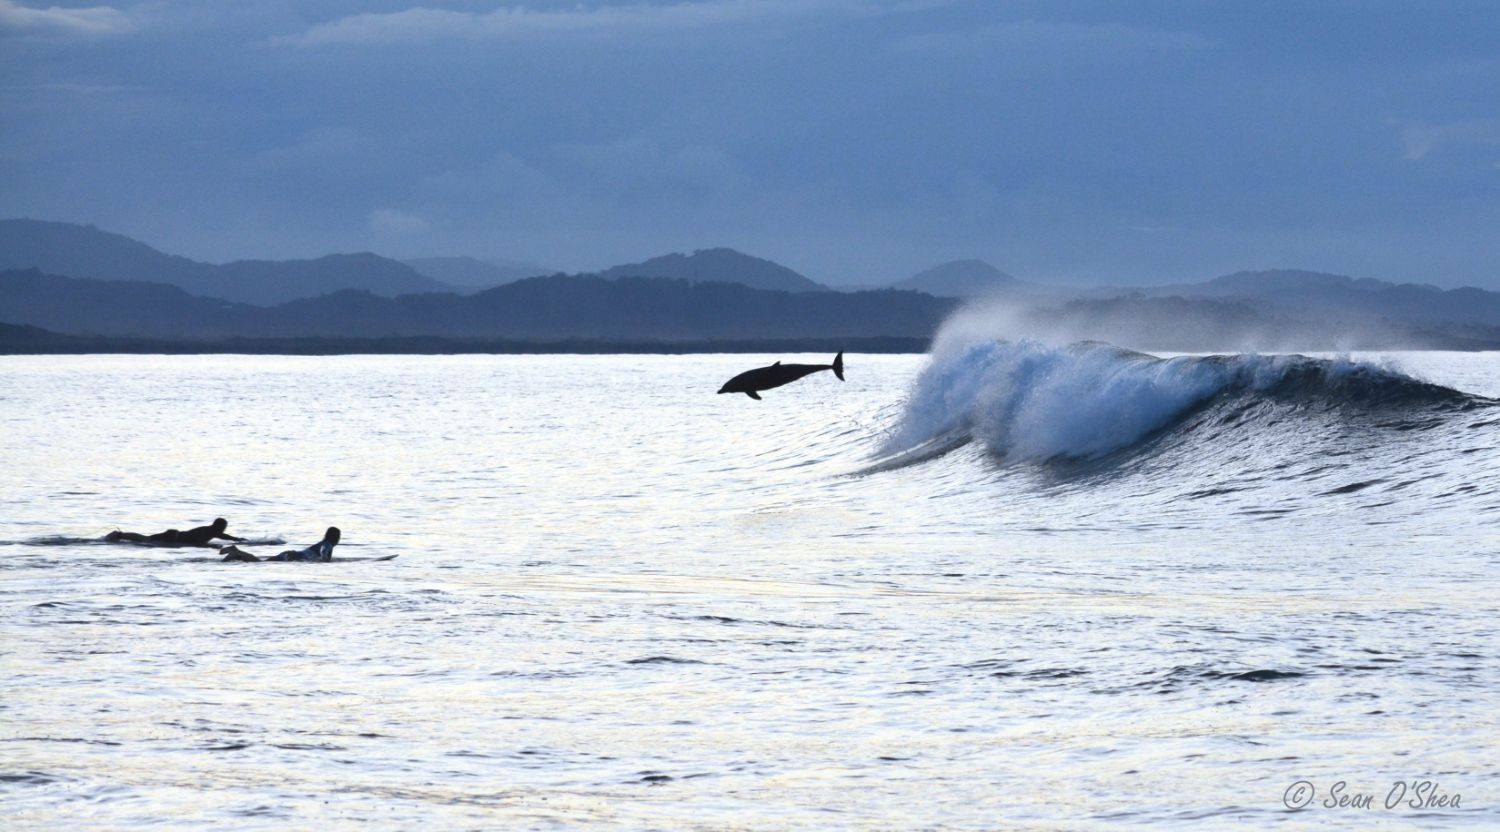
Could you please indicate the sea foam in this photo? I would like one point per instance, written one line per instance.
(1031, 401)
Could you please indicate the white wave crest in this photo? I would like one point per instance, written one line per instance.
(1031, 401)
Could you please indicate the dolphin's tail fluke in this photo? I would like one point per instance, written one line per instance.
(838, 366)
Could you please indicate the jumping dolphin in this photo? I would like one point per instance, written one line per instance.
(751, 382)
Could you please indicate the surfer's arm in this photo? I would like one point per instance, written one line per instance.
(230, 537)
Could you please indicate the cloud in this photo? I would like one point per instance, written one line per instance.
(1023, 33)
(79, 89)
(93, 21)
(424, 25)
(501, 178)
(1420, 140)
(392, 221)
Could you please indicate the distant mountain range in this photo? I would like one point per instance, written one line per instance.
(473, 273)
(667, 311)
(85, 251)
(958, 279)
(1343, 298)
(72, 250)
(76, 281)
(30, 340)
(719, 265)
(542, 308)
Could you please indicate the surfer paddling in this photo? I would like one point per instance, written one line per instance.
(752, 382)
(200, 536)
(320, 552)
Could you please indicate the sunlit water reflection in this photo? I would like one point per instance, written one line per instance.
(622, 599)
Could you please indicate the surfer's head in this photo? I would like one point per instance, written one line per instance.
(332, 535)
(219, 524)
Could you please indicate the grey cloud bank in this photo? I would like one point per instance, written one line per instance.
(856, 142)
(16, 19)
(424, 25)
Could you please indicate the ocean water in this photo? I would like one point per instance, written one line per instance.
(1004, 586)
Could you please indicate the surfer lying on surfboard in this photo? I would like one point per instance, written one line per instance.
(320, 552)
(201, 536)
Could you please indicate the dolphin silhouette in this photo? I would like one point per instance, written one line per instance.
(751, 382)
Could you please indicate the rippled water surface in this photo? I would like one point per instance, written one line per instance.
(1016, 586)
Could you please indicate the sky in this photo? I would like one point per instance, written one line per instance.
(857, 142)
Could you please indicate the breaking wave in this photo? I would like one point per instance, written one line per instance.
(1031, 401)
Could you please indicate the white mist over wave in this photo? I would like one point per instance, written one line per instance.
(1169, 323)
(1032, 401)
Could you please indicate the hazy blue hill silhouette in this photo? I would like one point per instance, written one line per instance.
(267, 282)
(30, 340)
(592, 307)
(87, 252)
(65, 248)
(473, 273)
(545, 308)
(719, 265)
(108, 307)
(592, 313)
(27, 338)
(1340, 297)
(958, 279)
(1285, 281)
(1248, 310)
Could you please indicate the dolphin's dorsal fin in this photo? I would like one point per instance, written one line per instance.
(777, 364)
